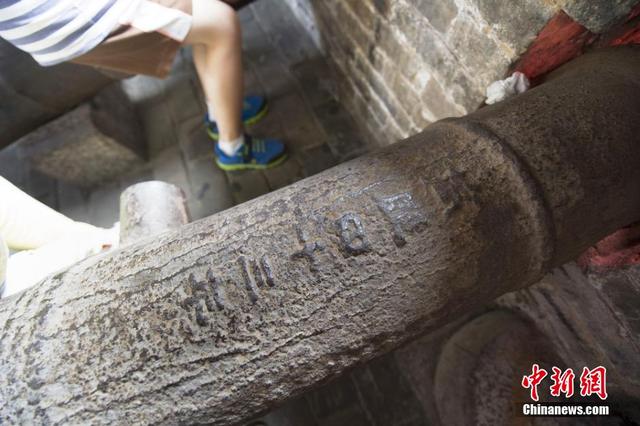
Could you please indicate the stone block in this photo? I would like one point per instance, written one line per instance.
(598, 15)
(434, 98)
(114, 115)
(304, 11)
(247, 185)
(315, 160)
(210, 192)
(42, 188)
(294, 43)
(440, 13)
(410, 100)
(285, 174)
(93, 144)
(12, 166)
(386, 395)
(366, 14)
(169, 166)
(337, 404)
(517, 22)
(343, 139)
(296, 121)
(73, 202)
(318, 84)
(32, 95)
(104, 205)
(182, 96)
(293, 413)
(351, 27)
(194, 141)
(382, 6)
(483, 59)
(404, 57)
(423, 50)
(358, 107)
(446, 51)
(381, 90)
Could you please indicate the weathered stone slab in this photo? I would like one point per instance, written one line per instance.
(598, 15)
(440, 13)
(287, 173)
(516, 23)
(93, 144)
(315, 160)
(393, 401)
(247, 185)
(31, 95)
(293, 413)
(338, 404)
(210, 191)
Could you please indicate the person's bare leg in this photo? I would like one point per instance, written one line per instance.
(199, 54)
(217, 53)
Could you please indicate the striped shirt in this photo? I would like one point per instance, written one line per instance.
(54, 31)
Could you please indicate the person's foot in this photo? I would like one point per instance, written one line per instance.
(255, 153)
(253, 110)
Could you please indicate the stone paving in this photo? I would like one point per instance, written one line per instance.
(284, 64)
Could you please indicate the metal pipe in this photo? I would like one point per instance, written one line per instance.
(232, 314)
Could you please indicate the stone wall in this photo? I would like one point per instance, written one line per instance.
(304, 11)
(406, 63)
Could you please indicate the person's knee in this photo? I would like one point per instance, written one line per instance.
(225, 19)
(217, 20)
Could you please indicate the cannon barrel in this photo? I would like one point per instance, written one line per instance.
(232, 314)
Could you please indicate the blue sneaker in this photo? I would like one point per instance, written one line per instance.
(253, 110)
(254, 154)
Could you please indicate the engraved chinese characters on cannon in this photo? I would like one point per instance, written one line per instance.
(404, 214)
(352, 235)
(209, 294)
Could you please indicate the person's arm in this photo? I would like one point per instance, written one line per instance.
(26, 223)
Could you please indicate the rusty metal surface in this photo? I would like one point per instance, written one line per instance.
(234, 313)
(578, 136)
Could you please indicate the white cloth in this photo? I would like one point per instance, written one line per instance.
(29, 267)
(54, 31)
(26, 223)
(50, 240)
(150, 16)
(503, 89)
